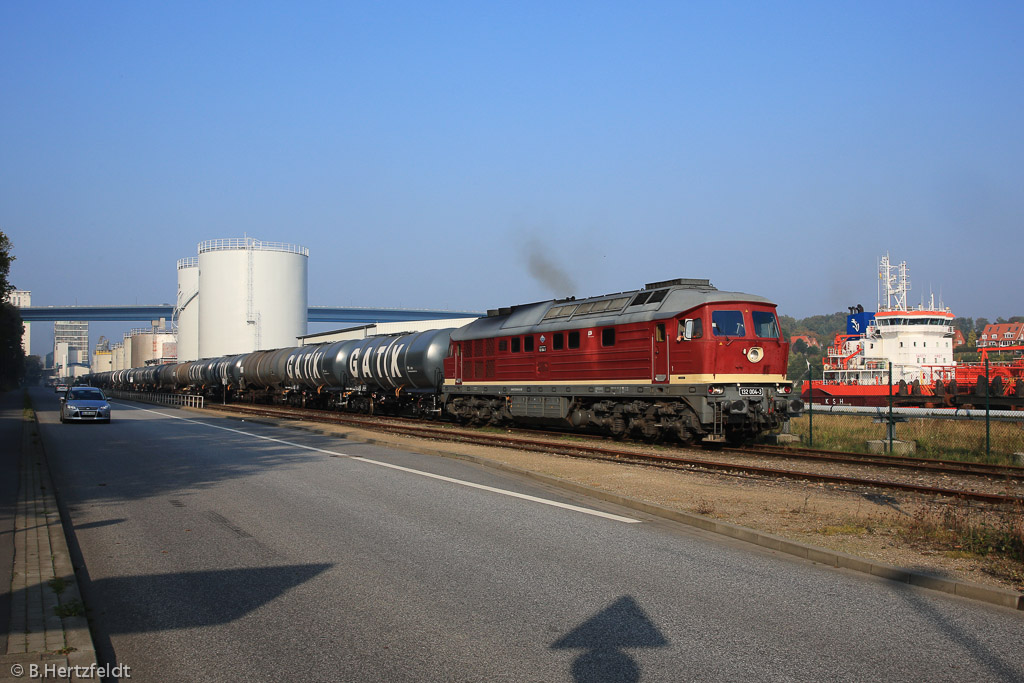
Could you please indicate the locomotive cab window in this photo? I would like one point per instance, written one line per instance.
(764, 325)
(727, 323)
(691, 328)
(608, 336)
(659, 332)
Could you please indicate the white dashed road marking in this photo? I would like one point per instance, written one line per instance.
(504, 492)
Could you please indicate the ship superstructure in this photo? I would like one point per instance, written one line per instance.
(917, 341)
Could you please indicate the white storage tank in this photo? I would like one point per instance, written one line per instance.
(186, 310)
(117, 357)
(149, 345)
(252, 295)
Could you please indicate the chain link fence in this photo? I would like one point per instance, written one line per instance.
(976, 433)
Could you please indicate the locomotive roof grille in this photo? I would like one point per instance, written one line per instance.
(695, 283)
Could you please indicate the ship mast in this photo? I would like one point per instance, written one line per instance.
(896, 286)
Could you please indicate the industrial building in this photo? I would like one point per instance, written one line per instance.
(71, 348)
(23, 299)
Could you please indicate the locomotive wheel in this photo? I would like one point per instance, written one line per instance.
(618, 426)
(648, 430)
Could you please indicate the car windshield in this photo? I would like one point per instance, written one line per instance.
(87, 394)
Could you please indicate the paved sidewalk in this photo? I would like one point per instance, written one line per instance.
(43, 586)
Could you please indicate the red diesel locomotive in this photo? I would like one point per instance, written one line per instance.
(677, 359)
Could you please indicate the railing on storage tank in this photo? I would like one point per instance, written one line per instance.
(235, 243)
(186, 400)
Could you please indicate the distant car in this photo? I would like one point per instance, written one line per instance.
(85, 404)
(60, 388)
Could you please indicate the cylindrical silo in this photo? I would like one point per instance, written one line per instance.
(252, 295)
(148, 345)
(186, 310)
(117, 361)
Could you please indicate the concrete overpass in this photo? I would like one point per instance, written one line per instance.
(315, 314)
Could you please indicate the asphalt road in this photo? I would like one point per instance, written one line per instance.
(223, 550)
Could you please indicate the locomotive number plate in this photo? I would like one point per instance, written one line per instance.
(750, 391)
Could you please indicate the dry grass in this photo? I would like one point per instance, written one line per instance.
(945, 439)
(995, 537)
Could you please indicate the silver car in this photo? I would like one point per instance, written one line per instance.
(85, 404)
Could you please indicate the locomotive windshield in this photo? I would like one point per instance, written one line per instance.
(728, 323)
(764, 325)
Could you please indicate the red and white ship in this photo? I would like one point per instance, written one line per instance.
(918, 343)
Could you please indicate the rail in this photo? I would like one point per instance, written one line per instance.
(937, 413)
(185, 400)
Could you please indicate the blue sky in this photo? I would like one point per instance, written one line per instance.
(427, 152)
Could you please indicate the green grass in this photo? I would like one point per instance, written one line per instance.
(73, 608)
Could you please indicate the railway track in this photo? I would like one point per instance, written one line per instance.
(946, 466)
(991, 484)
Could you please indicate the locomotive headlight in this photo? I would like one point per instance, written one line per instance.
(788, 389)
(716, 390)
(755, 354)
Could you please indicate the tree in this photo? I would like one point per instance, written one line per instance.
(12, 356)
(980, 324)
(33, 370)
(5, 265)
(965, 325)
(788, 324)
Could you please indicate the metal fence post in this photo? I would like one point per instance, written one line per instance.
(891, 430)
(988, 420)
(810, 409)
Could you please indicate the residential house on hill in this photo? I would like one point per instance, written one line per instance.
(1002, 334)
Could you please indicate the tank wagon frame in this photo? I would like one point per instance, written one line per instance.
(676, 360)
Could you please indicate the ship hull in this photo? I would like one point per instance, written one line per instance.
(854, 394)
